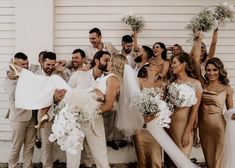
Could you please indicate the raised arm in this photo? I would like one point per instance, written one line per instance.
(212, 49)
(197, 57)
(134, 36)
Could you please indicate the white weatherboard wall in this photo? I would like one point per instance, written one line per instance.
(26, 26)
(72, 19)
(7, 49)
(165, 22)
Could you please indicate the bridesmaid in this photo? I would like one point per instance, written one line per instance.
(149, 152)
(177, 50)
(204, 55)
(217, 93)
(159, 50)
(184, 118)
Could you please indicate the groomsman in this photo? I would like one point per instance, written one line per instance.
(21, 122)
(48, 68)
(95, 38)
(96, 136)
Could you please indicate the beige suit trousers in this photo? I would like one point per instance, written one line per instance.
(95, 137)
(47, 146)
(23, 134)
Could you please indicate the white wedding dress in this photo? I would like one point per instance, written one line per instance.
(36, 91)
(129, 120)
(73, 112)
(228, 160)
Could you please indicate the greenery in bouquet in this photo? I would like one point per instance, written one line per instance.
(145, 101)
(72, 116)
(223, 12)
(136, 23)
(204, 21)
(149, 102)
(211, 18)
(181, 95)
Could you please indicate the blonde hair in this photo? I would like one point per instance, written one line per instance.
(118, 63)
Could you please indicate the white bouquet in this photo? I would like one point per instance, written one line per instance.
(66, 131)
(76, 112)
(204, 21)
(136, 23)
(181, 95)
(84, 104)
(212, 17)
(149, 102)
(223, 12)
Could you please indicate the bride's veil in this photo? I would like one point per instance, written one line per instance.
(128, 120)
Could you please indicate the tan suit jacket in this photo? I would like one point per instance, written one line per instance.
(15, 113)
(90, 50)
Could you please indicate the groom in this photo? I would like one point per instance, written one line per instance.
(95, 136)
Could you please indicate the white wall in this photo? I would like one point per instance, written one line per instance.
(7, 49)
(165, 22)
(34, 27)
(72, 19)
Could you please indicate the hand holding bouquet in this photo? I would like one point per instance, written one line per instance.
(150, 103)
(212, 17)
(181, 95)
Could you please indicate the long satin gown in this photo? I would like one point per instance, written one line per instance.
(179, 122)
(212, 126)
(148, 150)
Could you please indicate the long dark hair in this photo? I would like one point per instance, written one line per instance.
(204, 57)
(223, 78)
(162, 45)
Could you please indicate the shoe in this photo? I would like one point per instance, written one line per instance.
(15, 69)
(122, 144)
(84, 166)
(44, 119)
(113, 145)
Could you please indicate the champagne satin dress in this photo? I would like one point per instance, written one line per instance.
(148, 150)
(212, 126)
(179, 122)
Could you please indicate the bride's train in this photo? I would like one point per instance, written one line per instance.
(228, 160)
(169, 146)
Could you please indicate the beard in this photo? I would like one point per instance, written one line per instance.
(138, 59)
(128, 51)
(103, 67)
(48, 71)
